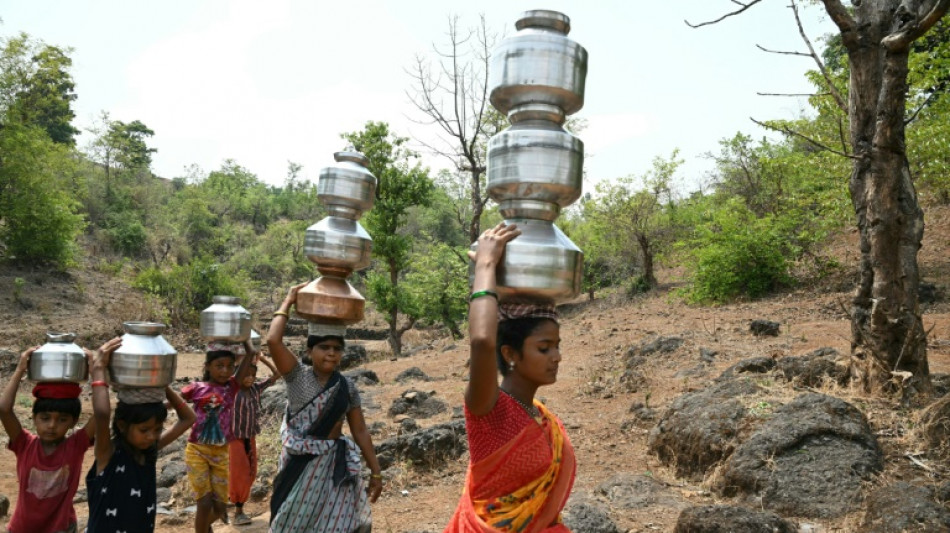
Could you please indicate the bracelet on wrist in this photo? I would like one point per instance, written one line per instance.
(284, 314)
(99, 383)
(479, 294)
(376, 476)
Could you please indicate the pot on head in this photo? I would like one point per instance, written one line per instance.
(60, 359)
(225, 320)
(145, 358)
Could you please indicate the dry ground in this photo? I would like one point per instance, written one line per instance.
(585, 397)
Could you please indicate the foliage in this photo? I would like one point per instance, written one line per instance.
(402, 184)
(39, 218)
(628, 222)
(735, 253)
(439, 282)
(188, 289)
(36, 88)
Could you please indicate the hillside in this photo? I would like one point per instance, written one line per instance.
(589, 395)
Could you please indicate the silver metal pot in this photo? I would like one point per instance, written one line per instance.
(348, 189)
(145, 358)
(338, 243)
(535, 168)
(540, 265)
(225, 320)
(60, 359)
(539, 64)
(256, 340)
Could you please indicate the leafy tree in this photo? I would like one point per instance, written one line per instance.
(439, 282)
(403, 183)
(39, 217)
(633, 213)
(36, 87)
(886, 327)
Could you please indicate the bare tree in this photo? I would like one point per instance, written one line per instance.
(888, 341)
(452, 93)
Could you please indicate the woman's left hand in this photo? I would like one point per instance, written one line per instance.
(375, 488)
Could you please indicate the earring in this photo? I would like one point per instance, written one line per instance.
(511, 365)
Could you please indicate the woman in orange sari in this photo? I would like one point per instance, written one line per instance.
(522, 465)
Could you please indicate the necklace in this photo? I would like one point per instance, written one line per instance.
(532, 410)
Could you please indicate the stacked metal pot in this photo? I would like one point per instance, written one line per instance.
(535, 167)
(338, 245)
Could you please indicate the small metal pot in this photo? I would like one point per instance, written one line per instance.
(225, 320)
(540, 265)
(58, 360)
(145, 358)
(256, 340)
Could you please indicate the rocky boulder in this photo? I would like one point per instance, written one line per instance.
(809, 459)
(701, 428)
(731, 519)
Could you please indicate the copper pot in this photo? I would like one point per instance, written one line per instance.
(330, 300)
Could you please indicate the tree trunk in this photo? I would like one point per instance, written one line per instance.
(887, 332)
(395, 336)
(646, 250)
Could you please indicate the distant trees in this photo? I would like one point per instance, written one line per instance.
(36, 87)
(403, 184)
(39, 210)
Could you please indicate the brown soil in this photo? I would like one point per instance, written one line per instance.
(587, 396)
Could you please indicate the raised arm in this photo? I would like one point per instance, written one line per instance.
(186, 418)
(354, 417)
(274, 373)
(101, 406)
(250, 354)
(283, 357)
(482, 389)
(10, 422)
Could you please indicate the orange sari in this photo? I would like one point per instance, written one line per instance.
(522, 486)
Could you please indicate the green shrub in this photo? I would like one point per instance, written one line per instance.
(187, 289)
(737, 254)
(127, 233)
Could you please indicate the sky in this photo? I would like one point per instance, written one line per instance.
(265, 83)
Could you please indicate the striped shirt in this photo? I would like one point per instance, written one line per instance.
(247, 404)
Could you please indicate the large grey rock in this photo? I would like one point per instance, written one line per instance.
(170, 474)
(417, 404)
(274, 400)
(589, 518)
(764, 327)
(812, 369)
(163, 494)
(731, 519)
(428, 448)
(904, 507)
(626, 491)
(809, 459)
(752, 365)
(412, 374)
(362, 376)
(354, 355)
(701, 428)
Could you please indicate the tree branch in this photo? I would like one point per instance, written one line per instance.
(916, 27)
(764, 49)
(839, 15)
(724, 17)
(788, 131)
(821, 66)
(920, 108)
(793, 94)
